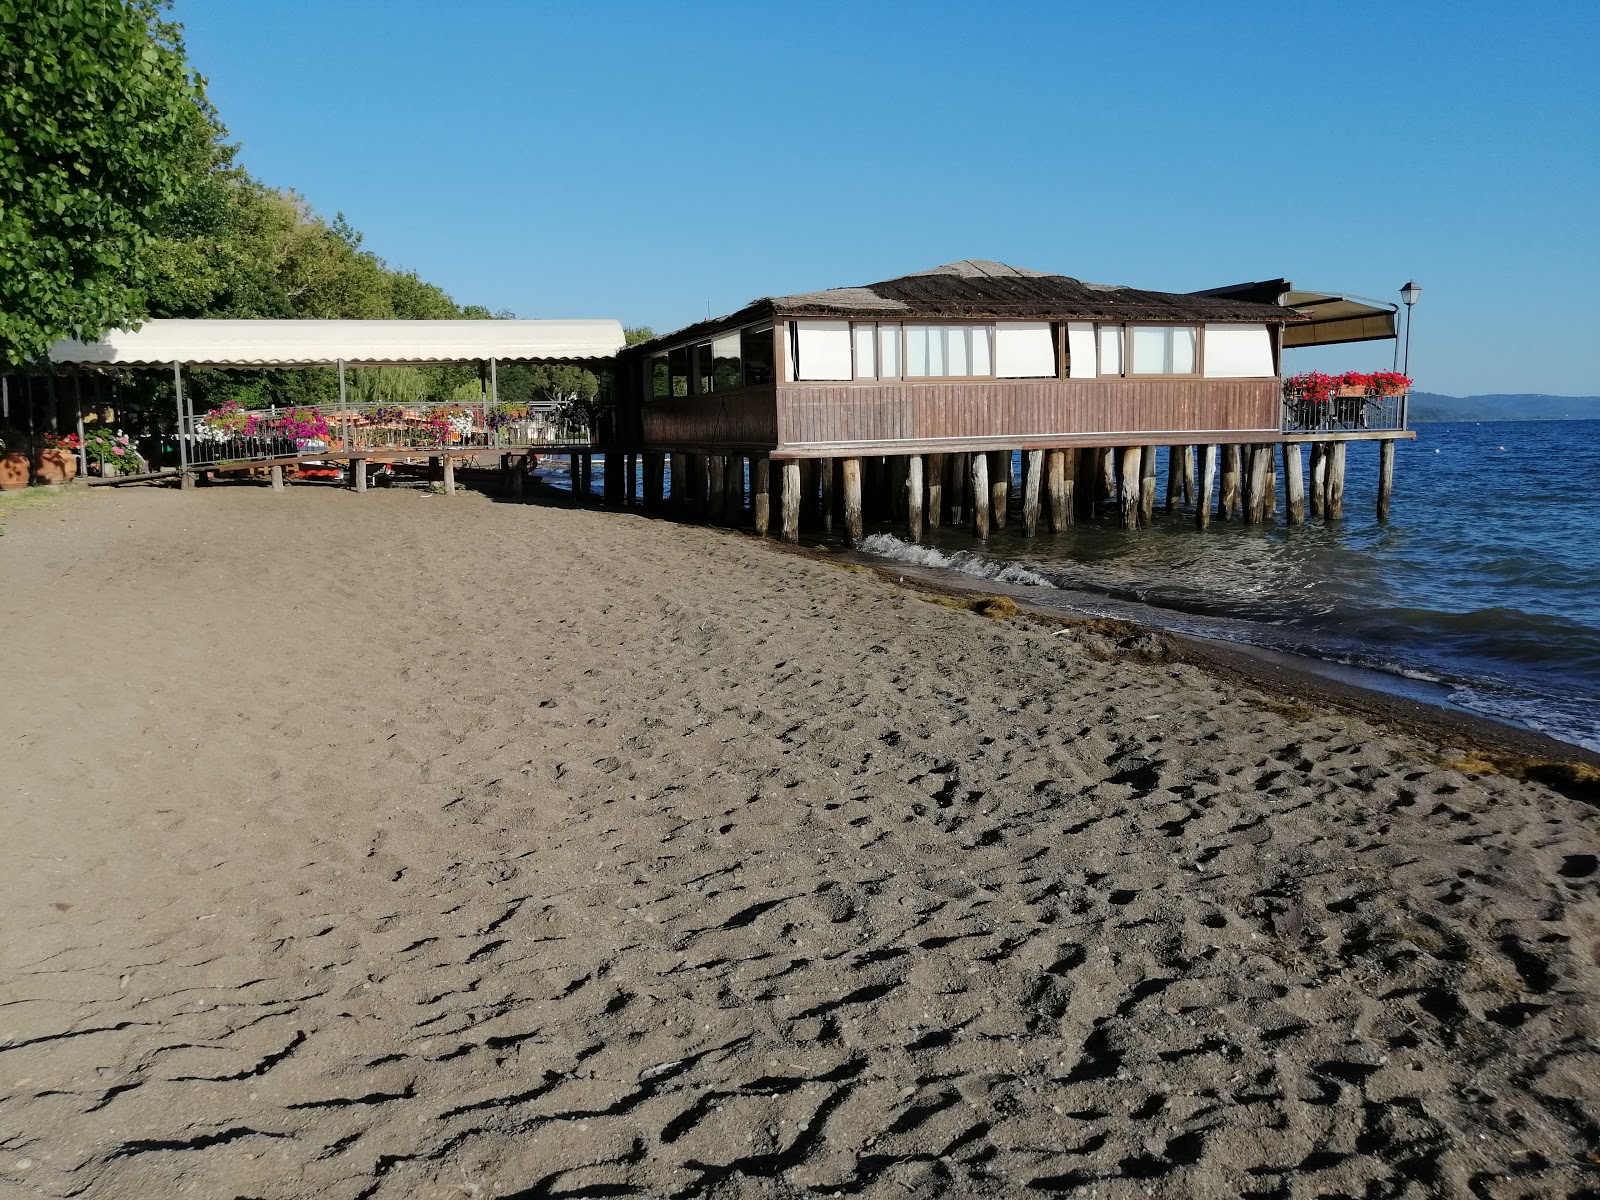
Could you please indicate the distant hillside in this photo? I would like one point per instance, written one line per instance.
(1428, 406)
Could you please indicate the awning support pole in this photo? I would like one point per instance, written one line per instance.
(77, 404)
(494, 397)
(344, 413)
(183, 446)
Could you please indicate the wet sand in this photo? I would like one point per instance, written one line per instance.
(423, 846)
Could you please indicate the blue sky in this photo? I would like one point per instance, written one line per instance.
(644, 161)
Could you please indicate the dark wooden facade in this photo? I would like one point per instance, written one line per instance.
(913, 415)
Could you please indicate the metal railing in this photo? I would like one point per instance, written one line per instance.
(231, 436)
(1344, 414)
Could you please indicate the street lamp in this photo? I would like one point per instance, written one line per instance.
(1408, 296)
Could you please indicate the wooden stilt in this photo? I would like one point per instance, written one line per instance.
(435, 469)
(519, 476)
(678, 480)
(716, 466)
(611, 480)
(1147, 485)
(1333, 505)
(955, 485)
(999, 487)
(1174, 475)
(1059, 484)
(1385, 477)
(828, 469)
(733, 490)
(449, 475)
(1208, 478)
(1087, 479)
(1229, 502)
(1259, 465)
(791, 500)
(358, 474)
(630, 480)
(1108, 476)
(1032, 486)
(1319, 477)
(1132, 485)
(978, 485)
(655, 476)
(1294, 484)
(1272, 480)
(914, 497)
(898, 496)
(761, 493)
(935, 473)
(1186, 460)
(275, 474)
(850, 479)
(698, 473)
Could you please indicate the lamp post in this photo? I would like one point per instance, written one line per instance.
(1408, 296)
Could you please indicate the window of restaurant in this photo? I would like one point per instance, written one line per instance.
(660, 382)
(678, 371)
(1162, 350)
(756, 351)
(948, 351)
(1111, 337)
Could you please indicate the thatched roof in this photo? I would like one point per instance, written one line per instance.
(975, 288)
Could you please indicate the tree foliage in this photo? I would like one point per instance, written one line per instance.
(102, 128)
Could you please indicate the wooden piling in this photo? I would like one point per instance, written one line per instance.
(358, 474)
(999, 487)
(611, 480)
(955, 484)
(1108, 476)
(850, 479)
(1333, 503)
(1132, 485)
(935, 507)
(1229, 502)
(1258, 464)
(519, 476)
(1147, 485)
(1319, 477)
(914, 497)
(828, 468)
(630, 480)
(1032, 486)
(1385, 477)
(449, 475)
(1186, 459)
(1174, 475)
(1059, 485)
(655, 476)
(791, 500)
(678, 482)
(978, 485)
(1208, 477)
(275, 475)
(715, 466)
(898, 469)
(1086, 478)
(733, 490)
(1294, 484)
(761, 493)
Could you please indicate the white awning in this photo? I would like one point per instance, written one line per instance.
(295, 343)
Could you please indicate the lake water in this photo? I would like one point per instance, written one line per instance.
(1484, 585)
(1485, 581)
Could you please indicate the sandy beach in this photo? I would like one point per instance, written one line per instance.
(413, 846)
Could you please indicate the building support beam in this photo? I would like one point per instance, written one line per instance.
(1147, 486)
(449, 474)
(275, 476)
(1208, 478)
(829, 471)
(914, 497)
(1132, 485)
(716, 465)
(935, 472)
(1032, 487)
(1259, 495)
(1059, 485)
(1385, 477)
(999, 487)
(978, 485)
(1229, 503)
(761, 494)
(791, 500)
(1333, 502)
(850, 478)
(1294, 484)
(358, 474)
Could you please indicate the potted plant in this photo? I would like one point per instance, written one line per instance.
(14, 466)
(1354, 383)
(112, 451)
(57, 462)
(1390, 383)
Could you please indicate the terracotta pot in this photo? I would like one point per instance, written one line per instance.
(55, 466)
(1348, 391)
(13, 471)
(1391, 390)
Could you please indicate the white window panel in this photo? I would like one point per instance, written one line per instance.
(866, 339)
(1163, 350)
(1080, 350)
(1111, 349)
(823, 349)
(1024, 350)
(982, 350)
(889, 351)
(958, 351)
(1238, 352)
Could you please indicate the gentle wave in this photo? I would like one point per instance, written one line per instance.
(886, 545)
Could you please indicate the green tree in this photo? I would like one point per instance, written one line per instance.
(103, 127)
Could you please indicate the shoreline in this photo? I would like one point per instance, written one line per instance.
(1460, 735)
